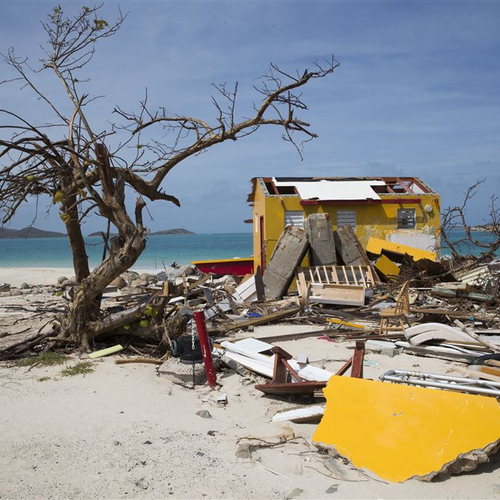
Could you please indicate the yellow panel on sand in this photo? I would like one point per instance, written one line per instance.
(399, 431)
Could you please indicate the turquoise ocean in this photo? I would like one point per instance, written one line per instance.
(161, 250)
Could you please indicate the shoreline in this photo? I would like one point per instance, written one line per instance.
(15, 276)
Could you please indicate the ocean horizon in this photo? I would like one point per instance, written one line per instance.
(161, 250)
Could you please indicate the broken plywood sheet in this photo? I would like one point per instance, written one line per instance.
(400, 432)
(287, 255)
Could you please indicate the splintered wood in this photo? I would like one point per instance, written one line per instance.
(340, 285)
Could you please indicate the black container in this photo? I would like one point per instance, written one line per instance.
(183, 347)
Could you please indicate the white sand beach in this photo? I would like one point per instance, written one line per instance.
(15, 276)
(123, 431)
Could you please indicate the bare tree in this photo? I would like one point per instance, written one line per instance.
(86, 171)
(466, 248)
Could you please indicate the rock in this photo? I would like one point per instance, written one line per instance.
(24, 286)
(174, 273)
(138, 283)
(142, 483)
(204, 414)
(244, 451)
(286, 433)
(61, 279)
(294, 493)
(161, 276)
(182, 373)
(67, 284)
(128, 276)
(4, 287)
(118, 283)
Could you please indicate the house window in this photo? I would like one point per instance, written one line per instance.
(346, 218)
(294, 218)
(406, 218)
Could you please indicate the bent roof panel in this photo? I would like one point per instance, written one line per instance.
(335, 189)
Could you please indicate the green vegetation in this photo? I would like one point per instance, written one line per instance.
(82, 368)
(43, 379)
(44, 359)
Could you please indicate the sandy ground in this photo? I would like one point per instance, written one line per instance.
(15, 276)
(123, 431)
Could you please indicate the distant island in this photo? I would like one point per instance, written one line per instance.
(179, 230)
(484, 228)
(28, 232)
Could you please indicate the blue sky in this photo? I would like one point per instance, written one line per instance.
(417, 93)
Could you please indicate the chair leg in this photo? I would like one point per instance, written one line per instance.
(384, 326)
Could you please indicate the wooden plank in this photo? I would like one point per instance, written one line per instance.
(326, 274)
(491, 370)
(476, 374)
(302, 287)
(362, 275)
(259, 285)
(336, 275)
(447, 312)
(268, 318)
(339, 295)
(346, 279)
(318, 275)
(354, 275)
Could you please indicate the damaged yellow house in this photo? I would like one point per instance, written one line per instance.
(402, 210)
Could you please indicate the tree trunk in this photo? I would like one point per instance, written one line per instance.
(84, 320)
(75, 236)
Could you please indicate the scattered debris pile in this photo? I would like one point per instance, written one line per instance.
(386, 298)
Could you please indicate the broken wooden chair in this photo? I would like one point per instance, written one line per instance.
(399, 312)
(286, 380)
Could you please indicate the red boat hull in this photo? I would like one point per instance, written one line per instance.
(220, 267)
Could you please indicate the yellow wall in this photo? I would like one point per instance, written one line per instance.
(378, 220)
